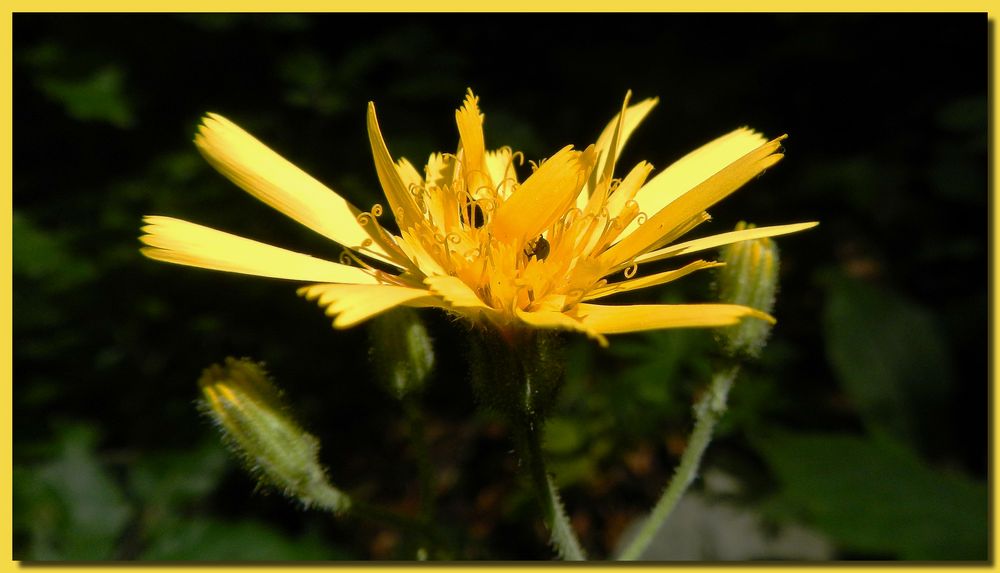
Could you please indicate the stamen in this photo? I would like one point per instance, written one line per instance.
(347, 257)
(369, 221)
(476, 216)
(365, 218)
(417, 192)
(364, 248)
(388, 278)
(632, 269)
(486, 204)
(480, 208)
(483, 192)
(507, 181)
(570, 217)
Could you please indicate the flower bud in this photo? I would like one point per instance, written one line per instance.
(402, 351)
(750, 278)
(248, 409)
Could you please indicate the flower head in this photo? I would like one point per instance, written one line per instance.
(476, 240)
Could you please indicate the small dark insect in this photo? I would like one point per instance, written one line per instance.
(538, 247)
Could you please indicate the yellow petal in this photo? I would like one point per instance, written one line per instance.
(415, 250)
(396, 192)
(269, 177)
(630, 119)
(454, 292)
(687, 206)
(470, 130)
(694, 168)
(408, 173)
(500, 164)
(558, 320)
(651, 280)
(438, 170)
(176, 241)
(629, 186)
(545, 196)
(633, 318)
(351, 304)
(608, 155)
(722, 239)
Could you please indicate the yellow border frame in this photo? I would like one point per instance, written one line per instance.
(6, 502)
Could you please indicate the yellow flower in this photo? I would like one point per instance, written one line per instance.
(476, 241)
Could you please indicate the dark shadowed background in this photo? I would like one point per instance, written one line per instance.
(860, 434)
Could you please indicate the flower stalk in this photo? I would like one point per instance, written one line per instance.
(750, 277)
(561, 532)
(708, 411)
(518, 374)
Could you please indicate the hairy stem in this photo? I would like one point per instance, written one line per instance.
(562, 536)
(708, 411)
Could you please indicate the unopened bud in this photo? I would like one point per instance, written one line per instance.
(402, 351)
(255, 423)
(750, 278)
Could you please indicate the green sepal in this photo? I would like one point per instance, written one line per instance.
(519, 373)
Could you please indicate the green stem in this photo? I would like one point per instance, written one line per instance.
(708, 411)
(563, 538)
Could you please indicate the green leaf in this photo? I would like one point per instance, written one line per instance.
(217, 540)
(98, 97)
(174, 478)
(43, 256)
(891, 358)
(877, 497)
(72, 508)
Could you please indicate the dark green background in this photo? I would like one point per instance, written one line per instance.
(866, 419)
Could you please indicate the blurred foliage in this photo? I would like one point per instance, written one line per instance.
(875, 496)
(890, 356)
(864, 418)
(79, 507)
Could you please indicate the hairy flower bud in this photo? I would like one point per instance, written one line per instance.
(750, 278)
(248, 409)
